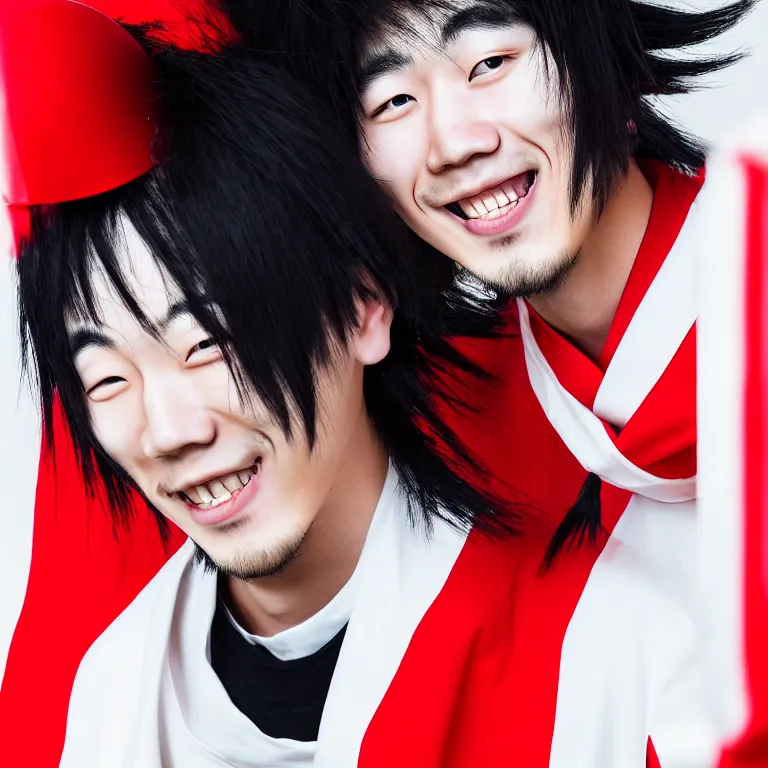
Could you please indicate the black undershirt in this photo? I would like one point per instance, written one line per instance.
(284, 699)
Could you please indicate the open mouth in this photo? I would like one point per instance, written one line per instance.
(496, 201)
(219, 490)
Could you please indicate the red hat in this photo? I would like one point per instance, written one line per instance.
(79, 104)
(189, 24)
(79, 121)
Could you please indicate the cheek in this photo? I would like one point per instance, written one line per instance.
(117, 428)
(341, 408)
(391, 152)
(215, 387)
(532, 107)
(218, 389)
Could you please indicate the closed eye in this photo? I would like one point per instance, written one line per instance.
(105, 383)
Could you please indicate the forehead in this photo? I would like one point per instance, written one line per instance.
(433, 26)
(153, 291)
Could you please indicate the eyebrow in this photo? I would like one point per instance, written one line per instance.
(85, 338)
(478, 17)
(176, 310)
(390, 60)
(380, 64)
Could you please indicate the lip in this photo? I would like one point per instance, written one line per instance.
(229, 510)
(502, 224)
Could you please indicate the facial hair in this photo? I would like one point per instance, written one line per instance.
(257, 564)
(516, 282)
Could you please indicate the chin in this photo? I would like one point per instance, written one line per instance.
(249, 561)
(522, 274)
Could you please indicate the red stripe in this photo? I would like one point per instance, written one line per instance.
(574, 370)
(82, 575)
(651, 758)
(673, 196)
(751, 749)
(479, 682)
(661, 436)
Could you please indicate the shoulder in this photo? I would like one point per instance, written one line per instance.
(626, 593)
(651, 634)
(116, 677)
(633, 661)
(135, 623)
(608, 597)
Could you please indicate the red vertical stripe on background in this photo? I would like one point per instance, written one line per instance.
(651, 758)
(758, 245)
(82, 576)
(751, 749)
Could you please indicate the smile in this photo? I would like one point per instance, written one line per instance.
(494, 202)
(497, 210)
(219, 490)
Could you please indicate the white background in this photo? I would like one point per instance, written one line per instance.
(731, 97)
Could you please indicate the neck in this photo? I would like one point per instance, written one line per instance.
(330, 550)
(583, 307)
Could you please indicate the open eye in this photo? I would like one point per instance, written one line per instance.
(395, 103)
(204, 351)
(487, 65)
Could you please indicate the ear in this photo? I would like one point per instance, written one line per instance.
(371, 341)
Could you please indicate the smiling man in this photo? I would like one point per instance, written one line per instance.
(524, 141)
(501, 145)
(473, 150)
(158, 297)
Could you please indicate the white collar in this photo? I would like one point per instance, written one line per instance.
(311, 635)
(665, 316)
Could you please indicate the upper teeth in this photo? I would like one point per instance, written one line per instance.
(219, 490)
(489, 201)
(493, 202)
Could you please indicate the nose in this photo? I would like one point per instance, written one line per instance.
(456, 134)
(176, 418)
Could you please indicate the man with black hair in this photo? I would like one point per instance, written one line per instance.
(522, 139)
(564, 189)
(346, 597)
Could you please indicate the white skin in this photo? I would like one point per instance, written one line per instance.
(168, 413)
(449, 120)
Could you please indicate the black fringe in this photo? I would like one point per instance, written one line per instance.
(583, 521)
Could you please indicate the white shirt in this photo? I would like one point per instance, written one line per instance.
(296, 642)
(311, 635)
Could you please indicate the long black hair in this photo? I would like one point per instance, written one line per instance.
(612, 58)
(264, 217)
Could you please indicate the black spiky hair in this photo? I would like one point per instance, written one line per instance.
(612, 58)
(265, 219)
